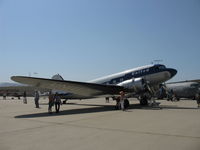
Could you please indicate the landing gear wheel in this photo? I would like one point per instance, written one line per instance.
(65, 101)
(126, 103)
(143, 102)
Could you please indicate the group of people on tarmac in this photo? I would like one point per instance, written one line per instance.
(36, 98)
(121, 101)
(171, 95)
(54, 99)
(198, 99)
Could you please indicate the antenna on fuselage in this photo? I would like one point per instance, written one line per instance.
(156, 61)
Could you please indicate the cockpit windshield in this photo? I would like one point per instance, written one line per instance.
(162, 67)
(159, 67)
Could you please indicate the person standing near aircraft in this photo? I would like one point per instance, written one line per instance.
(51, 102)
(170, 95)
(198, 99)
(37, 97)
(117, 99)
(118, 105)
(4, 96)
(122, 97)
(57, 102)
(24, 98)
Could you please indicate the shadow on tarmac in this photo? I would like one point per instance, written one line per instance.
(98, 108)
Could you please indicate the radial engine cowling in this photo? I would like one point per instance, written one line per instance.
(137, 84)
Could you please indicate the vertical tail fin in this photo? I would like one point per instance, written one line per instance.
(57, 77)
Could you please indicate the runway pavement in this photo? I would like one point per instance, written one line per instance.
(96, 125)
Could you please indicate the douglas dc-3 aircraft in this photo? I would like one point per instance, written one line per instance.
(142, 81)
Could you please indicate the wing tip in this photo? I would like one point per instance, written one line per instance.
(15, 78)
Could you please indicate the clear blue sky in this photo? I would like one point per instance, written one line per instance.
(87, 39)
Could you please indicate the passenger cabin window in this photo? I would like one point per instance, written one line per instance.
(106, 83)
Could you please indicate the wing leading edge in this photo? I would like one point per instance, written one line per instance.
(197, 80)
(83, 89)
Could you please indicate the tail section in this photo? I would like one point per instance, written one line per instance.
(57, 77)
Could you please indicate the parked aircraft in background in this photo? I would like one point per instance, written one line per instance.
(142, 81)
(181, 89)
(17, 89)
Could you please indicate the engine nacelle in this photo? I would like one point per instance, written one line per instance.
(137, 84)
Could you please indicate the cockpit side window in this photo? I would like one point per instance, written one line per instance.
(162, 67)
(159, 67)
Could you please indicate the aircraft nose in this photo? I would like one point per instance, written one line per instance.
(173, 72)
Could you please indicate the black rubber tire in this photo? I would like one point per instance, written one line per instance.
(126, 103)
(143, 102)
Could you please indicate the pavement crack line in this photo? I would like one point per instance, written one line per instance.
(73, 123)
(133, 131)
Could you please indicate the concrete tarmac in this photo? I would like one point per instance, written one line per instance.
(96, 125)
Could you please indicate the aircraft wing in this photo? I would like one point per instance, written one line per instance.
(197, 80)
(83, 89)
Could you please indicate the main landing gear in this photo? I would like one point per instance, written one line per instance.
(126, 103)
(65, 101)
(144, 101)
(147, 101)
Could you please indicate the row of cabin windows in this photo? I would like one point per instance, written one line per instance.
(122, 79)
(134, 73)
(140, 71)
(114, 81)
